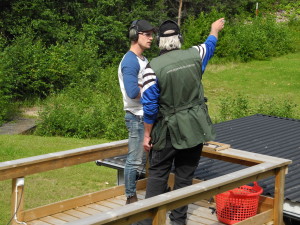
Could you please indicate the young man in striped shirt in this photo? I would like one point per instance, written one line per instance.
(130, 79)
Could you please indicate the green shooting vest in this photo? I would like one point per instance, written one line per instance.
(182, 110)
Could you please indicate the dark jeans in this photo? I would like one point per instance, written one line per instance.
(185, 163)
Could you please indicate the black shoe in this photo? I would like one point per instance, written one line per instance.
(131, 199)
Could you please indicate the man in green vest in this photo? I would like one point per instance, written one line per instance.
(176, 120)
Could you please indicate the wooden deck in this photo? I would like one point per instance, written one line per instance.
(198, 212)
(108, 206)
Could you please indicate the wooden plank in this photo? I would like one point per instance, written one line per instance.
(87, 210)
(265, 203)
(52, 220)
(76, 213)
(98, 207)
(65, 217)
(202, 212)
(37, 222)
(216, 145)
(74, 202)
(109, 204)
(243, 157)
(200, 219)
(160, 216)
(205, 203)
(117, 201)
(258, 219)
(42, 163)
(188, 222)
(279, 195)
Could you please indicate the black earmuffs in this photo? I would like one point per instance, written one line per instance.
(133, 31)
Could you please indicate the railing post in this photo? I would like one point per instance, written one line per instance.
(17, 200)
(279, 195)
(160, 216)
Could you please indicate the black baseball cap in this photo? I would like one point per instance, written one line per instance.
(168, 25)
(143, 25)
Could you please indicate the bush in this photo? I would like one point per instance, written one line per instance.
(28, 69)
(86, 110)
(7, 109)
(243, 41)
(232, 107)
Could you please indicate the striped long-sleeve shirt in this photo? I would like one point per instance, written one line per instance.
(151, 92)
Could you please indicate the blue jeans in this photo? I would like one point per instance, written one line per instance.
(135, 128)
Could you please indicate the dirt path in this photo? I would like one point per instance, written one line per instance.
(21, 125)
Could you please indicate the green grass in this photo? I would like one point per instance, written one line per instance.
(56, 185)
(258, 81)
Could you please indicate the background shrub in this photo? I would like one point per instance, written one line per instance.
(86, 110)
(233, 107)
(241, 40)
(72, 49)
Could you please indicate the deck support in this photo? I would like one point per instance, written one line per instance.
(279, 195)
(17, 201)
(160, 216)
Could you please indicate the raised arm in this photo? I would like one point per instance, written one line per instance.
(216, 27)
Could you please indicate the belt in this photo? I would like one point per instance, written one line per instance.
(133, 114)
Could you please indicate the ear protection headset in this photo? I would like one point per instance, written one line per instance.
(177, 28)
(133, 31)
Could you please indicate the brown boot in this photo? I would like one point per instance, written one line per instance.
(131, 199)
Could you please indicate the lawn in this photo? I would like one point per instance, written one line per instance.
(257, 81)
(56, 185)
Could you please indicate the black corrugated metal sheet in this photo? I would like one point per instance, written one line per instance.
(274, 136)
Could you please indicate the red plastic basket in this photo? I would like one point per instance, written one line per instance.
(238, 204)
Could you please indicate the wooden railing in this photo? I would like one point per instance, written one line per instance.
(260, 167)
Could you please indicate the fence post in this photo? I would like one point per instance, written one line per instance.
(279, 195)
(17, 200)
(160, 216)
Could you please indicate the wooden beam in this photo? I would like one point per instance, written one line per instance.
(57, 207)
(265, 203)
(181, 196)
(258, 219)
(160, 216)
(51, 161)
(242, 157)
(279, 195)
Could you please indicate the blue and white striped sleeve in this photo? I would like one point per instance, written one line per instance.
(130, 68)
(206, 50)
(150, 95)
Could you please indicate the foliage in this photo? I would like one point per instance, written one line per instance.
(28, 69)
(75, 46)
(233, 107)
(86, 110)
(256, 39)
(7, 109)
(196, 29)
